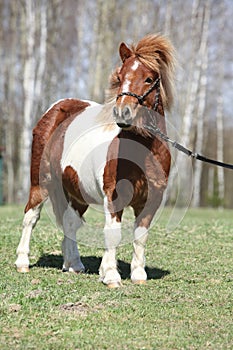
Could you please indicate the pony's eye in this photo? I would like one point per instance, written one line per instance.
(149, 80)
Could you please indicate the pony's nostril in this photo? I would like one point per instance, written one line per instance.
(126, 113)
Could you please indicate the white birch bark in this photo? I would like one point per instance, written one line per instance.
(79, 23)
(8, 108)
(220, 148)
(219, 113)
(168, 18)
(201, 106)
(188, 118)
(42, 54)
(210, 182)
(102, 56)
(194, 84)
(29, 93)
(94, 50)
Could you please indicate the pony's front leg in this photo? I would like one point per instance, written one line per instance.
(112, 235)
(144, 215)
(138, 273)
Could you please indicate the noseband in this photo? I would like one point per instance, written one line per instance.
(141, 98)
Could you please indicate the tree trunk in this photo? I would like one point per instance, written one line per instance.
(180, 170)
(42, 55)
(168, 18)
(8, 109)
(220, 147)
(219, 114)
(29, 93)
(203, 52)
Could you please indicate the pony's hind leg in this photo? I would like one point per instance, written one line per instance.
(72, 221)
(31, 216)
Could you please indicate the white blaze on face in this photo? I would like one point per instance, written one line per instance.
(127, 82)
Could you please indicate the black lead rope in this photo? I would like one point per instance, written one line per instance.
(154, 130)
(186, 151)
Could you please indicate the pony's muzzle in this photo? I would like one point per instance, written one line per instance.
(123, 117)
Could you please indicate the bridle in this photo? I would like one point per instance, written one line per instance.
(141, 98)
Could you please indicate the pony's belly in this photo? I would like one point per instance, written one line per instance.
(86, 146)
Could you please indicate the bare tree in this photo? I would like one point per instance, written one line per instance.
(101, 54)
(219, 114)
(203, 52)
(29, 93)
(42, 53)
(32, 85)
(168, 17)
(57, 49)
(9, 108)
(189, 122)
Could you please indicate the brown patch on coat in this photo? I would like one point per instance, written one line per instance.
(145, 163)
(42, 133)
(74, 187)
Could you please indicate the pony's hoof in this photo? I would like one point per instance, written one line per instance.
(140, 282)
(114, 285)
(23, 269)
(78, 272)
(73, 270)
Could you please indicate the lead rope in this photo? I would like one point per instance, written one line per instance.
(155, 130)
(179, 147)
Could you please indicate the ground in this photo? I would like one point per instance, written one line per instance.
(187, 302)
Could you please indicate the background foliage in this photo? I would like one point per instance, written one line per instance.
(56, 49)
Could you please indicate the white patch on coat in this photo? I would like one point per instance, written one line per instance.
(85, 149)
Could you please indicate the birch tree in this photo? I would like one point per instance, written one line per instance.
(188, 124)
(41, 54)
(203, 52)
(220, 148)
(168, 17)
(9, 75)
(29, 93)
(101, 63)
(32, 84)
(219, 113)
(8, 108)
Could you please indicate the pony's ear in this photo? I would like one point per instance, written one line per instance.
(124, 51)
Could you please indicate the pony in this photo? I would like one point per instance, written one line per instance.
(85, 153)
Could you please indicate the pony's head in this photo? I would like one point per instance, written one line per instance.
(144, 79)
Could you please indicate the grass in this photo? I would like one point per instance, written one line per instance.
(186, 304)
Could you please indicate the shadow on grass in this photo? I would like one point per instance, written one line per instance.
(92, 264)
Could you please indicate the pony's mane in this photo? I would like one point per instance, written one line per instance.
(156, 52)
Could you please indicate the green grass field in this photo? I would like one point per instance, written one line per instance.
(187, 302)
